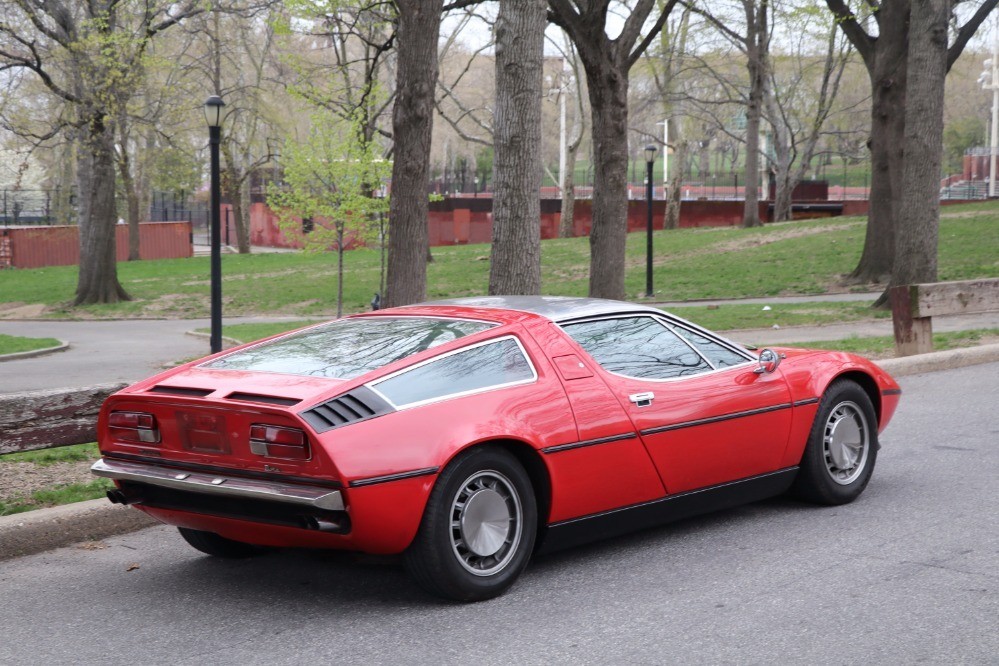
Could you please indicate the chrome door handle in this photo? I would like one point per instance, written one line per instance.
(642, 399)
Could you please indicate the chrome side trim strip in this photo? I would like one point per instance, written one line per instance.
(588, 442)
(891, 392)
(716, 419)
(806, 401)
(372, 480)
(214, 484)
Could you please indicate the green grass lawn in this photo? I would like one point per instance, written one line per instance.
(75, 453)
(806, 257)
(12, 344)
(56, 495)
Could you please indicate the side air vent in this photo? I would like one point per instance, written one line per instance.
(180, 390)
(360, 404)
(265, 399)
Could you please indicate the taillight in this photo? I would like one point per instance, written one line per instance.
(134, 427)
(279, 442)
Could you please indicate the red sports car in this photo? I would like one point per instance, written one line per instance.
(468, 434)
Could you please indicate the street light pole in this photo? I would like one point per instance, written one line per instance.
(213, 115)
(650, 156)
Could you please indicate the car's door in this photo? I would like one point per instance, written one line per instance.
(704, 415)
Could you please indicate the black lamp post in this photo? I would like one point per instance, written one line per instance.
(213, 115)
(650, 156)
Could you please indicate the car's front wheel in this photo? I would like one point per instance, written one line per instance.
(478, 528)
(213, 544)
(842, 447)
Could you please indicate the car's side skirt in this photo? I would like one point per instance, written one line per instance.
(569, 533)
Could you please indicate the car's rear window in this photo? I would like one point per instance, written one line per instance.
(349, 347)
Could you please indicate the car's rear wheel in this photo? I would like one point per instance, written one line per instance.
(842, 447)
(211, 543)
(478, 528)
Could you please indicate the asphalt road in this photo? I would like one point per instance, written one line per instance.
(909, 573)
(103, 352)
(129, 350)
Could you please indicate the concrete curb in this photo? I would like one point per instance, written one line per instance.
(941, 360)
(46, 529)
(232, 342)
(62, 346)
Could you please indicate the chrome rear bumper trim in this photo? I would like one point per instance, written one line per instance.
(215, 484)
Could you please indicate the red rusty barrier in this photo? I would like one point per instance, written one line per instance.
(35, 247)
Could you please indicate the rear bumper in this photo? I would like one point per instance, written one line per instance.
(304, 496)
(378, 518)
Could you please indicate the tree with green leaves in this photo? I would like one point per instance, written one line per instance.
(89, 56)
(329, 191)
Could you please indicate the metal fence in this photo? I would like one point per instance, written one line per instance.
(19, 207)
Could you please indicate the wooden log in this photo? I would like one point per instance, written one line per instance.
(913, 334)
(950, 298)
(47, 419)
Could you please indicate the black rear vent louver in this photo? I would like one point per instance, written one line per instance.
(265, 399)
(360, 404)
(180, 390)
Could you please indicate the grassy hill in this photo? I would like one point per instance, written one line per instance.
(807, 257)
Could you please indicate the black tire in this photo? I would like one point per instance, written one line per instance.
(842, 447)
(449, 557)
(212, 544)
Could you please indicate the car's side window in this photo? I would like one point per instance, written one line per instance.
(478, 368)
(719, 355)
(640, 347)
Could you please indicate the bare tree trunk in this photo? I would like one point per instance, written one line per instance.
(515, 266)
(339, 271)
(567, 219)
(783, 151)
(885, 60)
(98, 276)
(132, 201)
(675, 198)
(233, 185)
(412, 124)
(609, 233)
(757, 41)
(918, 220)
(887, 145)
(125, 169)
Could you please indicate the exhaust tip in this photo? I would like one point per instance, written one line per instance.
(116, 496)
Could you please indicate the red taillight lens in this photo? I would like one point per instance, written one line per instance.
(134, 427)
(279, 442)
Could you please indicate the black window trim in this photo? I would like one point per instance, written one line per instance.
(373, 385)
(668, 323)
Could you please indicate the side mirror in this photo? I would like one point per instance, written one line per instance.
(769, 360)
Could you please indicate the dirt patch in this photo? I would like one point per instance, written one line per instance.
(964, 214)
(22, 310)
(775, 237)
(21, 479)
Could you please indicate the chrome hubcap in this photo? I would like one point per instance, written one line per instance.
(846, 443)
(486, 523)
